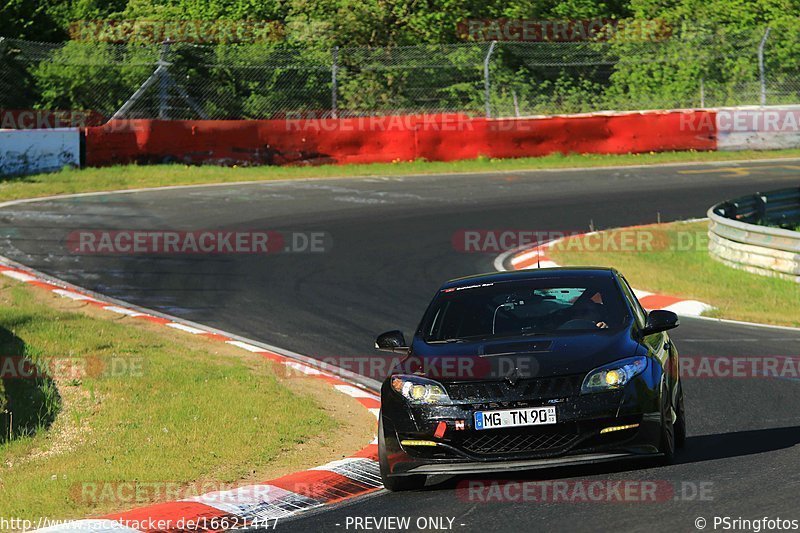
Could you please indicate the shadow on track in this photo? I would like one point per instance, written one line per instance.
(737, 444)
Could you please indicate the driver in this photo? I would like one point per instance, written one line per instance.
(591, 309)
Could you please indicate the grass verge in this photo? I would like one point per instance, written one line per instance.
(133, 176)
(142, 407)
(676, 262)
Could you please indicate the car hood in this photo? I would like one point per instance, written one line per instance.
(526, 357)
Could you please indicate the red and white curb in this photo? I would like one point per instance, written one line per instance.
(254, 504)
(537, 257)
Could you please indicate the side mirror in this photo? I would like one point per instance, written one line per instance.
(391, 341)
(660, 320)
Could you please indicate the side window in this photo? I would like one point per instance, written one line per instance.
(638, 310)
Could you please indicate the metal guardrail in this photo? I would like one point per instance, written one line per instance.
(747, 233)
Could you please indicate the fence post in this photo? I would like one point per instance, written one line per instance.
(334, 81)
(161, 76)
(163, 83)
(3, 47)
(702, 93)
(516, 103)
(761, 67)
(486, 84)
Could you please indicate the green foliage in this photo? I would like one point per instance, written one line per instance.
(16, 83)
(320, 22)
(91, 76)
(711, 51)
(28, 20)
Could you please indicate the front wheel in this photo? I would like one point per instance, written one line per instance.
(394, 483)
(667, 447)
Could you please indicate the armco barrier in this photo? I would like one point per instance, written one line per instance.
(740, 235)
(385, 139)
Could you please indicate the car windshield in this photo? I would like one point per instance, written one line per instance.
(531, 307)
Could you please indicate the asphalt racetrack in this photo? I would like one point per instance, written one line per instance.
(389, 246)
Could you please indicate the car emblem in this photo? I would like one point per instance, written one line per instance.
(513, 377)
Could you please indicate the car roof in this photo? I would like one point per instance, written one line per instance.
(533, 273)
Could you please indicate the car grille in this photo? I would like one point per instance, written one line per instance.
(494, 442)
(524, 389)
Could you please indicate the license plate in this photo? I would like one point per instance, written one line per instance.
(531, 416)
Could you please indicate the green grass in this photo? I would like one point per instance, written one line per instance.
(134, 176)
(136, 403)
(678, 264)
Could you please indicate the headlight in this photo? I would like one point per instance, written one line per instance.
(614, 375)
(418, 390)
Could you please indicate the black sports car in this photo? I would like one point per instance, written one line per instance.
(520, 370)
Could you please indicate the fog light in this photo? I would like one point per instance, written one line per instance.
(417, 443)
(618, 428)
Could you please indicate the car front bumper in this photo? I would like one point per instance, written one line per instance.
(575, 439)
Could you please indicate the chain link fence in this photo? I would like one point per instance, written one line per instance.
(501, 79)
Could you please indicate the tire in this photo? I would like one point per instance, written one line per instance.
(395, 483)
(667, 447)
(680, 422)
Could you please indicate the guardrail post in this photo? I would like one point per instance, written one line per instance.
(486, 83)
(761, 200)
(727, 210)
(761, 67)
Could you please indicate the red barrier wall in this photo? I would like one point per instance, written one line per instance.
(390, 138)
